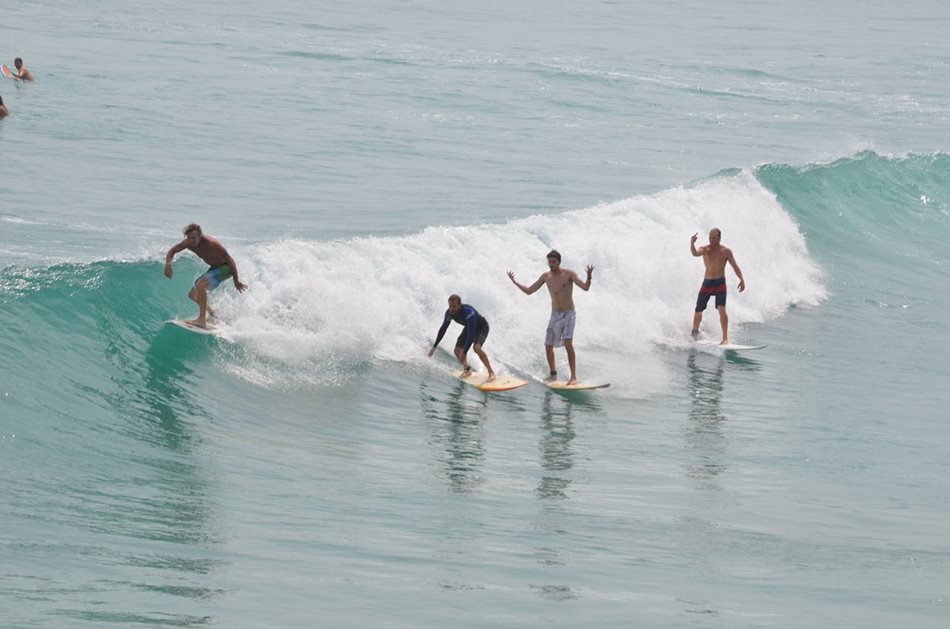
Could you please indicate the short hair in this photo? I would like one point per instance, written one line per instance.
(454, 297)
(717, 230)
(17, 59)
(191, 227)
(553, 253)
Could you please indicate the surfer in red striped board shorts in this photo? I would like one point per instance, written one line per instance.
(715, 256)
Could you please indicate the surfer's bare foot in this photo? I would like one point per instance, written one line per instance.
(694, 334)
(572, 381)
(466, 371)
(552, 377)
(491, 376)
(198, 323)
(725, 342)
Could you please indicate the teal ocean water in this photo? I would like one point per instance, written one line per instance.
(312, 467)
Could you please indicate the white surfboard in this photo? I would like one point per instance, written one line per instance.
(479, 380)
(213, 330)
(562, 385)
(729, 347)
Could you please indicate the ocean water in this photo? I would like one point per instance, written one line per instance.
(312, 467)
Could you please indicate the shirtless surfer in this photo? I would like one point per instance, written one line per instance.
(473, 336)
(221, 267)
(21, 72)
(715, 256)
(560, 283)
(4, 112)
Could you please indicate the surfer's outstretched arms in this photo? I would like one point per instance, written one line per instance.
(715, 256)
(474, 334)
(221, 267)
(560, 283)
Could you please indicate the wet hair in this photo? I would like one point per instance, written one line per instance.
(191, 227)
(455, 298)
(553, 253)
(18, 61)
(717, 230)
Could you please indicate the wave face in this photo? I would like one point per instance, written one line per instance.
(320, 312)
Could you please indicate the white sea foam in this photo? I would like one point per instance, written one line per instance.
(313, 304)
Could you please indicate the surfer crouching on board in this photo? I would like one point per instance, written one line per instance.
(473, 336)
(715, 256)
(221, 267)
(560, 330)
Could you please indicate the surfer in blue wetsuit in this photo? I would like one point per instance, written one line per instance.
(715, 256)
(221, 267)
(473, 336)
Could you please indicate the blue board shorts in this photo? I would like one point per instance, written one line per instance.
(215, 275)
(560, 328)
(481, 335)
(715, 287)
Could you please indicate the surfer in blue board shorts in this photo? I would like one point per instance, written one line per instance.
(560, 283)
(473, 336)
(715, 256)
(221, 267)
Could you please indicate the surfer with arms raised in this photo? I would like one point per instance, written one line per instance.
(221, 267)
(473, 336)
(560, 283)
(715, 256)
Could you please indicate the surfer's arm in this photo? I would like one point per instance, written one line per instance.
(527, 290)
(471, 326)
(234, 272)
(438, 338)
(735, 267)
(692, 246)
(175, 250)
(585, 285)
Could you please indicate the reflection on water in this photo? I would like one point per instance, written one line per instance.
(455, 424)
(704, 434)
(557, 458)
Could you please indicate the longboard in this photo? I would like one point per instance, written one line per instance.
(730, 347)
(500, 383)
(185, 325)
(562, 385)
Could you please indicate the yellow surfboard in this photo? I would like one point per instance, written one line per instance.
(479, 379)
